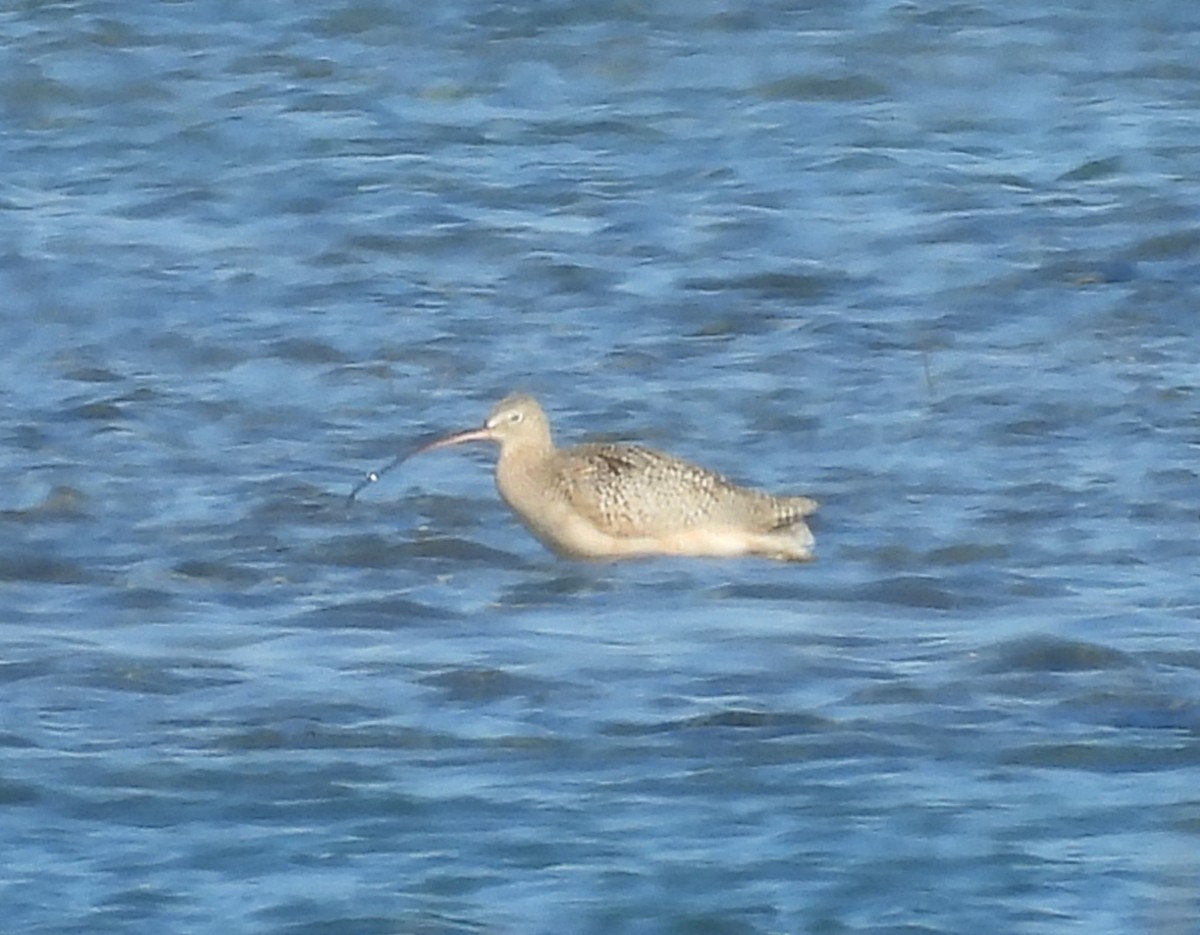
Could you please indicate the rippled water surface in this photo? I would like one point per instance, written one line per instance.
(934, 263)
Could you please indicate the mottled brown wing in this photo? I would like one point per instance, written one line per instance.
(627, 490)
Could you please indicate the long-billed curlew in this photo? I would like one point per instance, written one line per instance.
(605, 501)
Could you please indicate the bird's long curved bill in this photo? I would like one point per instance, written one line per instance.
(482, 434)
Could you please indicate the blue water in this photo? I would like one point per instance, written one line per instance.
(933, 263)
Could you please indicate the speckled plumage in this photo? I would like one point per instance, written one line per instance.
(615, 500)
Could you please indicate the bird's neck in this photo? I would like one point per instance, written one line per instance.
(524, 474)
(525, 455)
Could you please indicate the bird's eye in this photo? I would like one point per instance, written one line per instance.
(516, 416)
